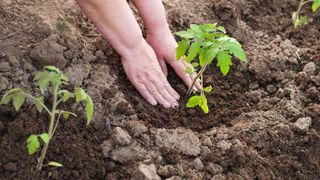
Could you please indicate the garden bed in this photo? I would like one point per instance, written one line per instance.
(264, 117)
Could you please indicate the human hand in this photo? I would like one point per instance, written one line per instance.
(144, 72)
(164, 45)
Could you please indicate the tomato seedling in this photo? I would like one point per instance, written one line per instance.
(207, 42)
(299, 20)
(50, 79)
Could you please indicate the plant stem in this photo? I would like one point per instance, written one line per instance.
(51, 127)
(301, 4)
(44, 106)
(195, 79)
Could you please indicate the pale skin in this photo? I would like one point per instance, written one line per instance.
(144, 61)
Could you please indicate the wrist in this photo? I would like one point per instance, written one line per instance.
(158, 28)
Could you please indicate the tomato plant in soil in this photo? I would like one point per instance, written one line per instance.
(200, 45)
(50, 79)
(299, 20)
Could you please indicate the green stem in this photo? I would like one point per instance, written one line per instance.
(195, 79)
(44, 106)
(301, 4)
(51, 127)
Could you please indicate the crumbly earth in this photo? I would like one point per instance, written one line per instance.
(264, 120)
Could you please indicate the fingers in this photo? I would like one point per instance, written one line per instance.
(159, 87)
(163, 67)
(180, 67)
(145, 93)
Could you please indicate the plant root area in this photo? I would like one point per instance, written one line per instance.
(264, 119)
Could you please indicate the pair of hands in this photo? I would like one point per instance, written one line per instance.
(146, 69)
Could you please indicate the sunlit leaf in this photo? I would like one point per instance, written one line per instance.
(224, 62)
(185, 34)
(315, 5)
(55, 164)
(182, 48)
(89, 109)
(194, 50)
(32, 144)
(45, 137)
(193, 101)
(208, 89)
(81, 95)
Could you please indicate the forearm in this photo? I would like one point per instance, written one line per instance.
(115, 21)
(153, 15)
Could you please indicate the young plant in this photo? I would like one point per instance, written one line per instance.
(207, 42)
(50, 79)
(299, 20)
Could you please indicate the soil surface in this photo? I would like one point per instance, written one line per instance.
(264, 119)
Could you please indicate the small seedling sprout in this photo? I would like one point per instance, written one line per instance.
(50, 79)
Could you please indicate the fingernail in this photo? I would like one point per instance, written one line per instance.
(177, 96)
(175, 105)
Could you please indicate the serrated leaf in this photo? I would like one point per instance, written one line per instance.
(236, 50)
(39, 103)
(193, 50)
(208, 27)
(202, 57)
(185, 34)
(189, 70)
(6, 98)
(204, 104)
(182, 48)
(55, 164)
(193, 101)
(18, 100)
(89, 109)
(80, 94)
(224, 62)
(32, 144)
(315, 5)
(222, 29)
(45, 137)
(212, 52)
(43, 85)
(208, 89)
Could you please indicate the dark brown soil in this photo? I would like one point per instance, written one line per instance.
(249, 133)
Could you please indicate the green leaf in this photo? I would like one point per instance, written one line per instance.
(204, 104)
(43, 85)
(81, 95)
(66, 114)
(224, 62)
(39, 103)
(185, 34)
(18, 100)
(45, 137)
(65, 95)
(193, 101)
(202, 57)
(189, 70)
(236, 50)
(222, 29)
(55, 164)
(208, 27)
(193, 50)
(212, 52)
(89, 109)
(182, 48)
(195, 64)
(32, 144)
(6, 98)
(315, 5)
(208, 89)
